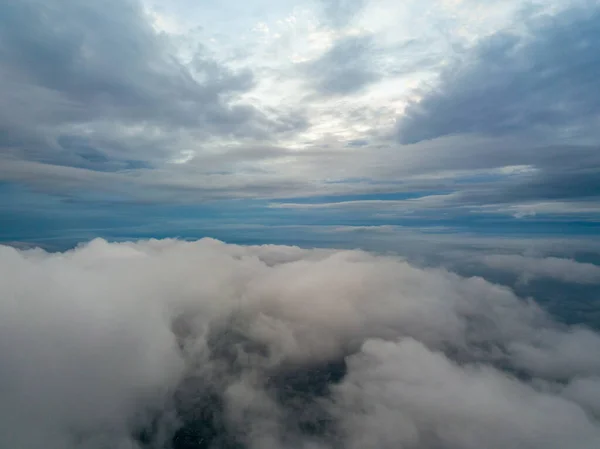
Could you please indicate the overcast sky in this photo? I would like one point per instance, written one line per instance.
(184, 118)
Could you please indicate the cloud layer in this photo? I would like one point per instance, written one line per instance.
(160, 344)
(479, 114)
(514, 81)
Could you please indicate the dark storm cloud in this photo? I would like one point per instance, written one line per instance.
(542, 79)
(77, 74)
(346, 68)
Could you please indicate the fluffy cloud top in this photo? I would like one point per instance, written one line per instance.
(565, 270)
(160, 344)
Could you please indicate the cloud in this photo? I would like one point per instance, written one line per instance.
(341, 12)
(405, 395)
(346, 68)
(173, 344)
(542, 79)
(101, 106)
(96, 86)
(566, 270)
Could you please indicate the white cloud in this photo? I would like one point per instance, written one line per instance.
(98, 341)
(566, 270)
(404, 395)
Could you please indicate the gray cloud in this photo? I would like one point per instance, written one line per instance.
(340, 12)
(543, 171)
(201, 344)
(94, 85)
(566, 270)
(542, 79)
(571, 178)
(346, 68)
(575, 181)
(108, 62)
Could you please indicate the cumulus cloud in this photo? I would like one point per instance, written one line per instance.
(404, 395)
(566, 270)
(160, 344)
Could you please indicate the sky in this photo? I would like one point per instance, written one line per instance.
(328, 224)
(286, 122)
